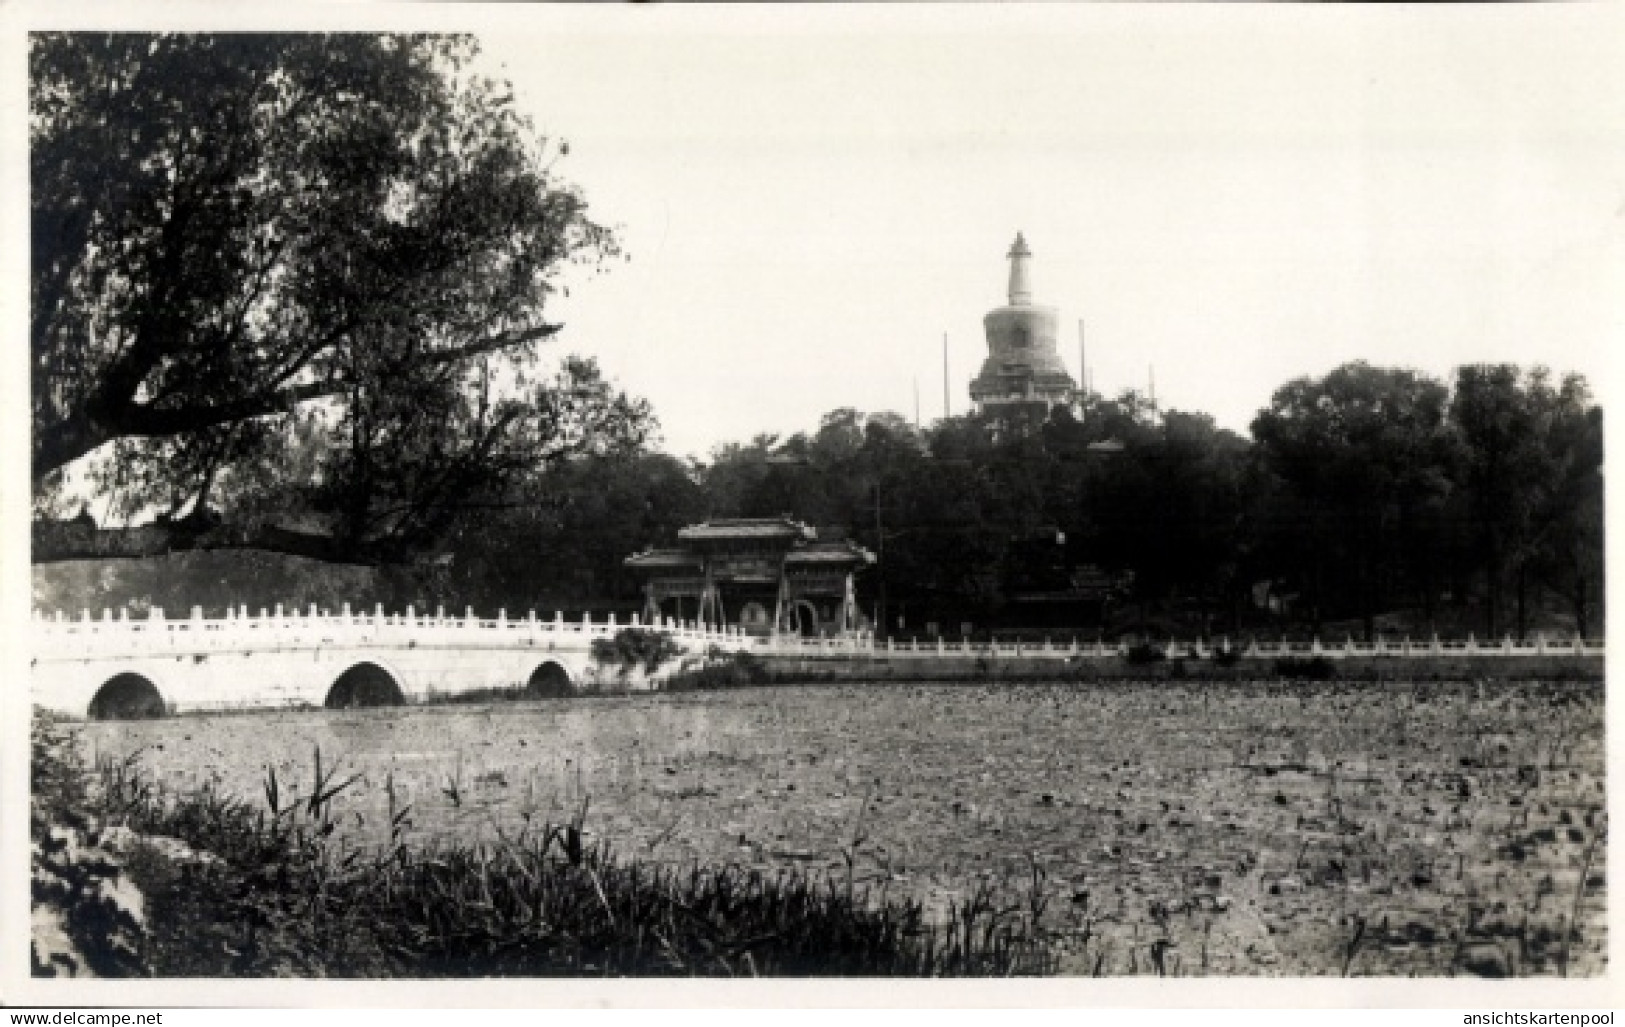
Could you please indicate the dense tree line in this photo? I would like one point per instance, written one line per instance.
(1367, 497)
(1396, 490)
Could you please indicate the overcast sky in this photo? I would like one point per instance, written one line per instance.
(1233, 196)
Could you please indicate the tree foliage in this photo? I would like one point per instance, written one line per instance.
(561, 540)
(1365, 453)
(334, 250)
(1367, 493)
(1533, 471)
(974, 507)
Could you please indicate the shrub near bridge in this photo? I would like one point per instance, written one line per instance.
(631, 649)
(721, 670)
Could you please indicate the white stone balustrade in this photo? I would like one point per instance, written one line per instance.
(60, 636)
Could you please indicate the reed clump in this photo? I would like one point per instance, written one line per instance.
(284, 891)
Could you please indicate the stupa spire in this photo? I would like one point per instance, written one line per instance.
(1021, 287)
(1022, 366)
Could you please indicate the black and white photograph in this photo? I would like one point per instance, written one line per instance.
(1103, 495)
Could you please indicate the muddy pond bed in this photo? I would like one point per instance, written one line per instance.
(1269, 828)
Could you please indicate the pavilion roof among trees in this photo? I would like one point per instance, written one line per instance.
(798, 540)
(737, 570)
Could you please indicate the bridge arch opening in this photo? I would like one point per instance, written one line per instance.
(127, 696)
(365, 684)
(549, 681)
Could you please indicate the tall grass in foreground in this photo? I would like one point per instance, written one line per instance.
(86, 918)
(280, 890)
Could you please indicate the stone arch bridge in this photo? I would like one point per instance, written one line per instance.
(124, 667)
(127, 667)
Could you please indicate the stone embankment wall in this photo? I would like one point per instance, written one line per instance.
(902, 666)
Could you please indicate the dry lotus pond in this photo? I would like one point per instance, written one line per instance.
(1182, 828)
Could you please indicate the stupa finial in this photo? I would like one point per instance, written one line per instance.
(1021, 289)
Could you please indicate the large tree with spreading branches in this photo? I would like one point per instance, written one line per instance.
(290, 290)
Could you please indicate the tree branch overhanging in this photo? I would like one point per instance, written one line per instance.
(60, 444)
